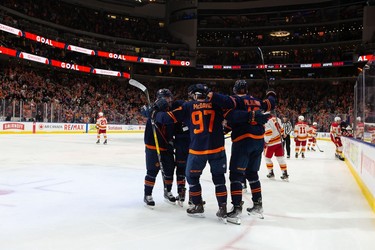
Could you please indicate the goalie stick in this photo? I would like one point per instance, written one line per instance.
(144, 89)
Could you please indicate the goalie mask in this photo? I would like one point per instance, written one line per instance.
(337, 119)
(301, 118)
(100, 114)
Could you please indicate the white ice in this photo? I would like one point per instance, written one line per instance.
(64, 192)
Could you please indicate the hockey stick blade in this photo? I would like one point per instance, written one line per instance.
(137, 84)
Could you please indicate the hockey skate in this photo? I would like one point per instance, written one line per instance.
(308, 149)
(271, 175)
(285, 176)
(98, 141)
(181, 197)
(257, 209)
(313, 149)
(303, 155)
(222, 213)
(149, 201)
(105, 142)
(169, 198)
(296, 155)
(340, 157)
(234, 216)
(196, 210)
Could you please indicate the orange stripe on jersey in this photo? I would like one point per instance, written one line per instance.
(248, 135)
(168, 182)
(268, 133)
(283, 166)
(206, 152)
(226, 113)
(195, 193)
(234, 101)
(256, 190)
(239, 192)
(172, 116)
(154, 147)
(268, 105)
(302, 137)
(274, 140)
(149, 183)
(195, 171)
(221, 194)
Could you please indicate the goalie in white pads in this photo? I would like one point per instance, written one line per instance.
(273, 146)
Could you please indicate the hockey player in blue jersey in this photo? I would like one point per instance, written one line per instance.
(204, 119)
(181, 146)
(247, 147)
(164, 135)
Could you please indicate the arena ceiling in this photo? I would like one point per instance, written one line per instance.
(132, 3)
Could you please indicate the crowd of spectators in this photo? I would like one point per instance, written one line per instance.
(334, 53)
(143, 36)
(91, 20)
(349, 31)
(71, 97)
(56, 95)
(78, 97)
(284, 16)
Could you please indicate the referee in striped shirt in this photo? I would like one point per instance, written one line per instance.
(287, 126)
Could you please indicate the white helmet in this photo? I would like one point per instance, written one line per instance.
(301, 118)
(315, 124)
(337, 119)
(358, 119)
(100, 114)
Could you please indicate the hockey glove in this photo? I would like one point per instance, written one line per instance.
(295, 139)
(258, 117)
(159, 105)
(145, 110)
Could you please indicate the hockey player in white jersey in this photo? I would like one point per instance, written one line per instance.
(273, 143)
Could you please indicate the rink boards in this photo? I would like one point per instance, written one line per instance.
(63, 128)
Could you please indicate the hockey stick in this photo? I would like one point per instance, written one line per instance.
(139, 85)
(264, 67)
(316, 143)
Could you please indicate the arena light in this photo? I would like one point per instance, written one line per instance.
(280, 33)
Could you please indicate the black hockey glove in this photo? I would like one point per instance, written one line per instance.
(258, 117)
(159, 105)
(145, 110)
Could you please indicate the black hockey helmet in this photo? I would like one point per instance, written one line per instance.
(191, 91)
(163, 93)
(240, 87)
(199, 91)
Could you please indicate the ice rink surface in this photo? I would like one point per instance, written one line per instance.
(64, 192)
